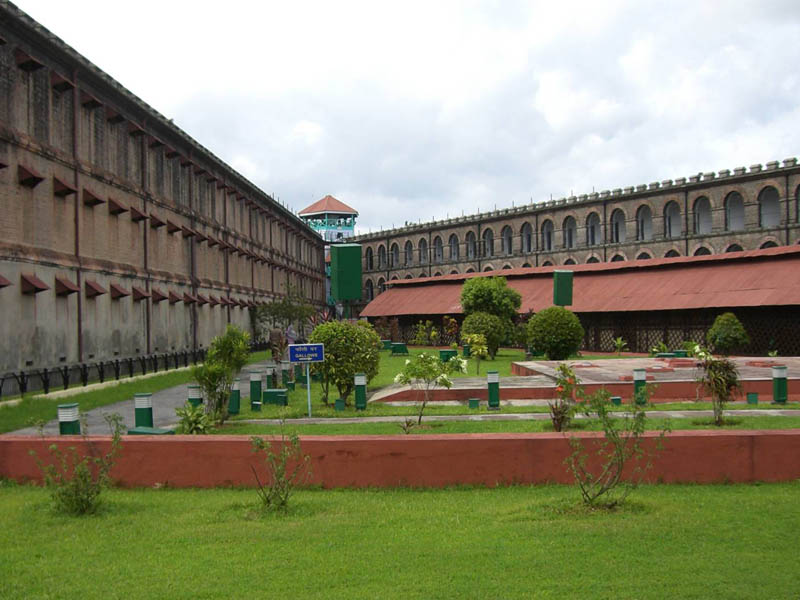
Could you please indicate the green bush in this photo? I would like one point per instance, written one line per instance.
(350, 348)
(490, 295)
(556, 332)
(193, 420)
(727, 334)
(492, 327)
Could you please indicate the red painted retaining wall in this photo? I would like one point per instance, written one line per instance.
(426, 460)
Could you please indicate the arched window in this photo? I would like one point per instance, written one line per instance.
(769, 208)
(547, 236)
(547, 263)
(643, 256)
(423, 251)
(507, 237)
(797, 204)
(617, 258)
(644, 224)
(381, 257)
(506, 266)
(454, 272)
(369, 290)
(702, 251)
(368, 266)
(471, 245)
(570, 232)
(672, 220)
(488, 242)
(409, 276)
(671, 254)
(437, 274)
(526, 266)
(453, 243)
(487, 268)
(526, 233)
(734, 212)
(423, 275)
(381, 285)
(409, 253)
(593, 259)
(702, 216)
(617, 227)
(768, 244)
(438, 250)
(593, 229)
(569, 261)
(733, 248)
(470, 270)
(394, 256)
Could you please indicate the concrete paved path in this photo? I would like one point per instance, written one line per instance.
(164, 404)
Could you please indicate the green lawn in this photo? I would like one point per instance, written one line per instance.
(538, 426)
(36, 408)
(671, 541)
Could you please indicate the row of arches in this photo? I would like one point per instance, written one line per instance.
(701, 223)
(372, 289)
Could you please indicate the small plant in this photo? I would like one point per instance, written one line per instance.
(727, 334)
(720, 378)
(424, 372)
(568, 392)
(478, 350)
(193, 420)
(659, 348)
(434, 336)
(287, 467)
(450, 329)
(620, 345)
(394, 329)
(691, 348)
(602, 471)
(772, 353)
(556, 332)
(75, 481)
(422, 333)
(492, 327)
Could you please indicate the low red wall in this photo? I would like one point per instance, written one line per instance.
(663, 391)
(426, 460)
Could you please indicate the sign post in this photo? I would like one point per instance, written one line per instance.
(307, 353)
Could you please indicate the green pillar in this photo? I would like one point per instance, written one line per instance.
(284, 377)
(195, 395)
(235, 398)
(640, 386)
(466, 350)
(255, 389)
(143, 410)
(493, 381)
(780, 388)
(361, 391)
(69, 422)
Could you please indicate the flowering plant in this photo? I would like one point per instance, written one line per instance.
(568, 393)
(424, 372)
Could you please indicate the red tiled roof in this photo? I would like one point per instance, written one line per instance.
(768, 277)
(328, 204)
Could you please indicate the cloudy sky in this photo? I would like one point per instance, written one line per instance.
(419, 110)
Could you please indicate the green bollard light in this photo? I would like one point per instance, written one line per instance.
(640, 386)
(69, 422)
(235, 399)
(780, 389)
(361, 391)
(255, 389)
(143, 410)
(493, 381)
(195, 397)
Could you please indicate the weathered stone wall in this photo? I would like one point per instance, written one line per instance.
(105, 206)
(705, 223)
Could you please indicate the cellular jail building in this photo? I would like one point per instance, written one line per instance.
(120, 235)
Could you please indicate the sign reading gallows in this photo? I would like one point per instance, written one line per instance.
(306, 353)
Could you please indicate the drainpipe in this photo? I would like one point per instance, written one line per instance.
(686, 221)
(786, 223)
(75, 137)
(605, 230)
(479, 245)
(430, 256)
(148, 305)
(536, 248)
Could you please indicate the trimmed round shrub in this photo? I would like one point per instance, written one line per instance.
(556, 332)
(492, 327)
(727, 334)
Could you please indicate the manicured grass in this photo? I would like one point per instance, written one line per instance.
(538, 426)
(43, 408)
(671, 541)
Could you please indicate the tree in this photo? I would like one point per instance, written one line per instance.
(350, 348)
(490, 295)
(555, 331)
(727, 334)
(720, 378)
(226, 356)
(424, 372)
(492, 327)
(291, 308)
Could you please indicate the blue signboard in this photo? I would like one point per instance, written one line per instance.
(306, 353)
